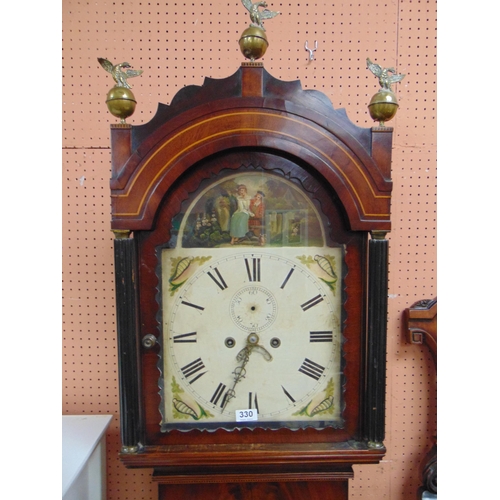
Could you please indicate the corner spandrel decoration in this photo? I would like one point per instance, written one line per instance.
(383, 105)
(120, 99)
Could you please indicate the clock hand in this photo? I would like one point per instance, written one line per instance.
(239, 372)
(244, 357)
(253, 344)
(244, 354)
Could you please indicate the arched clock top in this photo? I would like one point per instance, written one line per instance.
(248, 111)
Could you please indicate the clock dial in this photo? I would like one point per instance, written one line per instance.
(253, 330)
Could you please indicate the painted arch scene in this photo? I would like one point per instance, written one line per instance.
(252, 209)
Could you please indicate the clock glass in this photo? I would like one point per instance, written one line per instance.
(251, 311)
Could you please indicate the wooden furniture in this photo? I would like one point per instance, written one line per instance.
(421, 329)
(421, 325)
(251, 124)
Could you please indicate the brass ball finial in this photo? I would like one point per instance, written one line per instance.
(253, 43)
(120, 99)
(121, 103)
(383, 105)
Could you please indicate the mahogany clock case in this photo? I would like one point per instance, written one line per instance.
(251, 123)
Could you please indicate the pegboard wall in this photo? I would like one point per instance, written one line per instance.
(178, 44)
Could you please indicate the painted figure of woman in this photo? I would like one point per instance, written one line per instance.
(239, 219)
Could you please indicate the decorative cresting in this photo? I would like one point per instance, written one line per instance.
(250, 109)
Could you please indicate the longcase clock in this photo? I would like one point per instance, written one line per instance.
(251, 282)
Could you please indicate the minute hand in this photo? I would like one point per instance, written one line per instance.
(244, 357)
(239, 372)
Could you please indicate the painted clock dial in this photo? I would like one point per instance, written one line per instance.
(248, 325)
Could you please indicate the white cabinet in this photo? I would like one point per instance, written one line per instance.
(84, 456)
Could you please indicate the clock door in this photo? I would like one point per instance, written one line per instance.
(257, 322)
(251, 306)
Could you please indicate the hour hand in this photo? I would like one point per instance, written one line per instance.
(253, 345)
(263, 351)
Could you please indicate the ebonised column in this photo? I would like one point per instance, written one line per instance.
(375, 376)
(128, 346)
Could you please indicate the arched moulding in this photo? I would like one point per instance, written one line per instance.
(250, 110)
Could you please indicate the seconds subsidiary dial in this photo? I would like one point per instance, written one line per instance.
(252, 330)
(253, 308)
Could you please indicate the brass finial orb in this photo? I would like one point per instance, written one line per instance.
(253, 43)
(120, 99)
(121, 102)
(383, 106)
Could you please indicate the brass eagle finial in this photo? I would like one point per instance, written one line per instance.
(119, 76)
(256, 15)
(384, 78)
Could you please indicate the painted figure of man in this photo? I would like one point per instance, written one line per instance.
(256, 222)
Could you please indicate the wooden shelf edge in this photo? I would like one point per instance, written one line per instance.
(217, 456)
(162, 478)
